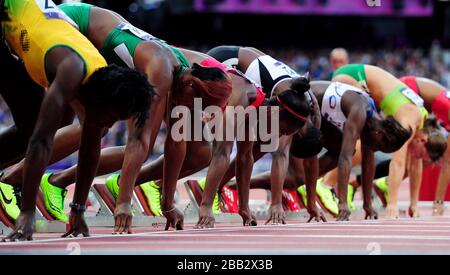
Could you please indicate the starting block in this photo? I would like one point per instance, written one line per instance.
(6, 223)
(195, 195)
(191, 210)
(45, 223)
(142, 215)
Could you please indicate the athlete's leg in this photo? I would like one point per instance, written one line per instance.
(110, 161)
(294, 178)
(330, 178)
(67, 141)
(23, 98)
(199, 153)
(231, 168)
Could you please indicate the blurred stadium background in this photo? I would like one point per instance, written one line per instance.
(403, 37)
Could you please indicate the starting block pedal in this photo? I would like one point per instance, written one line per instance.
(45, 223)
(142, 215)
(143, 201)
(191, 210)
(194, 192)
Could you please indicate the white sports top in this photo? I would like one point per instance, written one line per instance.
(268, 72)
(331, 103)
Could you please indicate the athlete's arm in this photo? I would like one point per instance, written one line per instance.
(141, 139)
(367, 176)
(415, 169)
(316, 117)
(174, 155)
(397, 169)
(312, 166)
(67, 70)
(244, 167)
(280, 163)
(68, 76)
(356, 119)
(220, 163)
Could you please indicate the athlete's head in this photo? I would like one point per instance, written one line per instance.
(338, 58)
(386, 135)
(307, 143)
(211, 84)
(429, 143)
(294, 104)
(115, 93)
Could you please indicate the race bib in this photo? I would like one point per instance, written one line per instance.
(51, 11)
(411, 95)
(139, 33)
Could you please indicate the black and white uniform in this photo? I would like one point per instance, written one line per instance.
(266, 71)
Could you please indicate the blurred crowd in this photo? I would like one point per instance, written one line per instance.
(432, 63)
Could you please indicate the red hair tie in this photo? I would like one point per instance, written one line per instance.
(290, 110)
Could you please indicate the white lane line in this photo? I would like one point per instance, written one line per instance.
(404, 237)
(288, 227)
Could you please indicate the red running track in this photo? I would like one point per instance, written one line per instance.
(401, 236)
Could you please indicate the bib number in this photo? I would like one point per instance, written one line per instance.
(139, 33)
(51, 11)
(411, 95)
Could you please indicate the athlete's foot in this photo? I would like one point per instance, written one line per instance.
(112, 183)
(438, 208)
(381, 189)
(9, 200)
(392, 211)
(229, 199)
(197, 188)
(54, 198)
(216, 204)
(248, 219)
(303, 195)
(24, 228)
(206, 218)
(327, 198)
(413, 211)
(351, 197)
(276, 215)
(153, 194)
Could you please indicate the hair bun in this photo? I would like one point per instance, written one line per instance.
(301, 83)
(431, 122)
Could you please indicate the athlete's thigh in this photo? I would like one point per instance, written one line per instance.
(22, 95)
